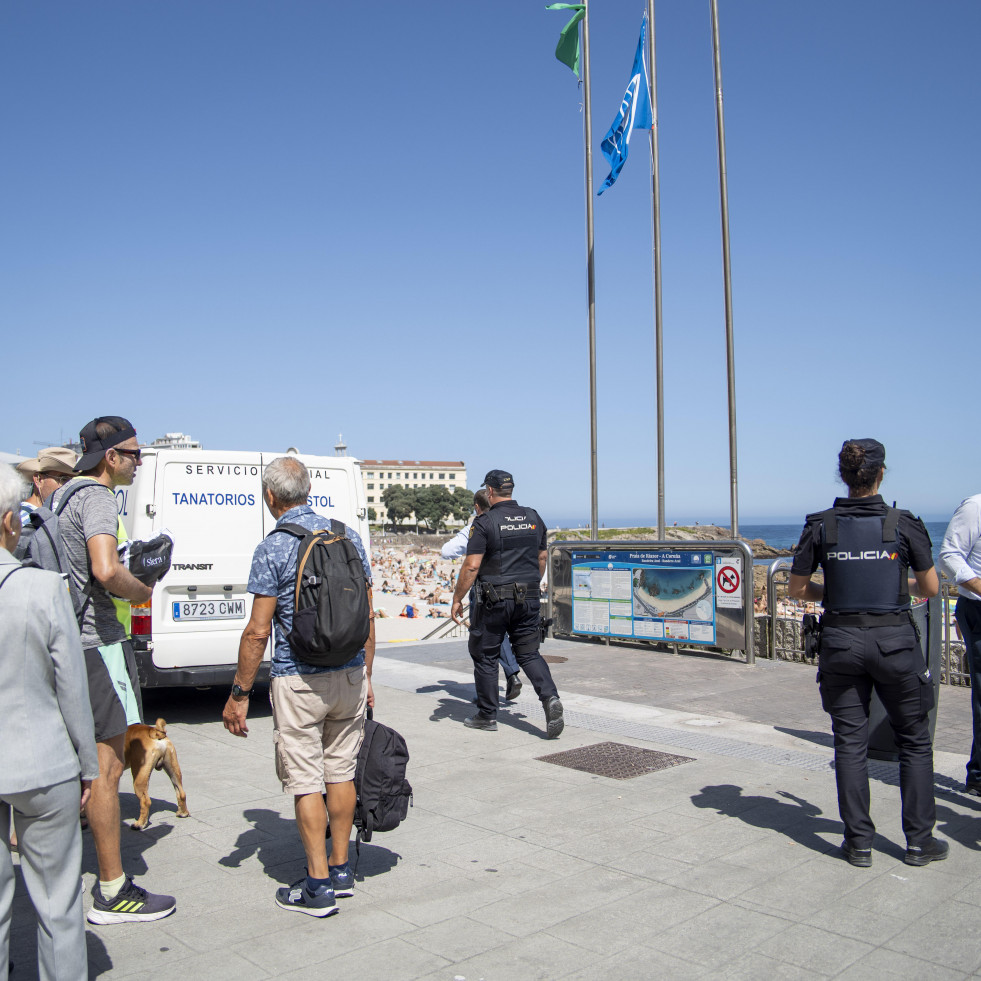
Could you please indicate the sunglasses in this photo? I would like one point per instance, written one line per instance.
(61, 478)
(135, 454)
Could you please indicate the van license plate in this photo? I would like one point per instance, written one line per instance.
(210, 610)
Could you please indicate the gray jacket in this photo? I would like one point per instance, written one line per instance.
(46, 728)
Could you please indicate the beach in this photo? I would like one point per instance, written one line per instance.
(410, 576)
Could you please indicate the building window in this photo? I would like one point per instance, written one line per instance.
(389, 476)
(371, 475)
(371, 486)
(442, 476)
(398, 476)
(430, 476)
(452, 476)
(415, 476)
(371, 499)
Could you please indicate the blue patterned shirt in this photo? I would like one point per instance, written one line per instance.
(274, 574)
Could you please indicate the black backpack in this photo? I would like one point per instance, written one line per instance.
(331, 612)
(384, 795)
(41, 545)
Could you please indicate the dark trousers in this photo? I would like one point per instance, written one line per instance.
(968, 614)
(853, 662)
(488, 628)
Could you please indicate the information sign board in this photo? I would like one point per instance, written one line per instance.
(656, 594)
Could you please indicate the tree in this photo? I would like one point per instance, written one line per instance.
(462, 503)
(372, 514)
(400, 502)
(433, 504)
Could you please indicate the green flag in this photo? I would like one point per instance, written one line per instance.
(567, 50)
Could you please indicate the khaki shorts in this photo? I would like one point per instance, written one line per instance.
(318, 725)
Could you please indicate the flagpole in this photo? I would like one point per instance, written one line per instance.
(724, 199)
(656, 220)
(590, 280)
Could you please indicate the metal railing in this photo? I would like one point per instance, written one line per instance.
(447, 629)
(779, 628)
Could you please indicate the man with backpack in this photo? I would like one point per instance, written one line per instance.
(88, 529)
(312, 576)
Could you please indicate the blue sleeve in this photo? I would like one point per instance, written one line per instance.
(263, 576)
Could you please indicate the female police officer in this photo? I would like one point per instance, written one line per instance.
(868, 641)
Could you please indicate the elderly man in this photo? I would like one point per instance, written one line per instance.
(91, 531)
(46, 472)
(318, 712)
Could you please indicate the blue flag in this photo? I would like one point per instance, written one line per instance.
(635, 112)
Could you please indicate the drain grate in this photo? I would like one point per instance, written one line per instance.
(554, 658)
(616, 760)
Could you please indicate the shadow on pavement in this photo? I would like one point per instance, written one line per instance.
(793, 817)
(184, 706)
(809, 735)
(132, 845)
(272, 836)
(460, 706)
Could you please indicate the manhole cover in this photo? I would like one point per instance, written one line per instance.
(615, 760)
(554, 658)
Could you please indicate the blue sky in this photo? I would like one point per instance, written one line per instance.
(264, 223)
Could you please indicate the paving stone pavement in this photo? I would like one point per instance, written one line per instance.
(512, 868)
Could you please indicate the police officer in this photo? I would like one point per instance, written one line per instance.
(506, 558)
(869, 641)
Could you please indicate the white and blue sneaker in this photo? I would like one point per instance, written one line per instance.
(298, 897)
(341, 880)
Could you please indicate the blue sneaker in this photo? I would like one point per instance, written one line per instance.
(298, 897)
(342, 880)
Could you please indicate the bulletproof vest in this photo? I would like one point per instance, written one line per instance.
(513, 533)
(864, 571)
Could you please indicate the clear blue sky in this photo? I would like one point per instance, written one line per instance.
(264, 223)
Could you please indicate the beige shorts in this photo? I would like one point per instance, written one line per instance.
(318, 725)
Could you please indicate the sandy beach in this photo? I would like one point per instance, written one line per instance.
(410, 576)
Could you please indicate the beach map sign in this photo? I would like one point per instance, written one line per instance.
(652, 595)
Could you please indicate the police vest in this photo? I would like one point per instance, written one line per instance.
(513, 533)
(863, 569)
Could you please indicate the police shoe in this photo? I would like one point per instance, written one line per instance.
(513, 689)
(972, 789)
(932, 850)
(553, 717)
(479, 721)
(862, 857)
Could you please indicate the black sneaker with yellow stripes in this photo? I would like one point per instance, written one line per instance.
(131, 904)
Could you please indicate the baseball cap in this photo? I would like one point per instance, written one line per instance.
(498, 479)
(53, 459)
(875, 452)
(94, 448)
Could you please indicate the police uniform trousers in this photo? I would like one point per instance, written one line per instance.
(853, 661)
(489, 625)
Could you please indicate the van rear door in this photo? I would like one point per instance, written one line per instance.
(212, 503)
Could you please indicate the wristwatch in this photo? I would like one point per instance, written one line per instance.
(239, 692)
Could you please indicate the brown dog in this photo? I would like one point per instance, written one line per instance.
(148, 748)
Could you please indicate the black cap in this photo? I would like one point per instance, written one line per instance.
(499, 480)
(93, 448)
(875, 452)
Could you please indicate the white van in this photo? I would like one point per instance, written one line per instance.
(212, 504)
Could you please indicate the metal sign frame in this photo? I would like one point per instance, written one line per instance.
(733, 626)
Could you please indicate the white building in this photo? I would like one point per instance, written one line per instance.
(379, 474)
(175, 441)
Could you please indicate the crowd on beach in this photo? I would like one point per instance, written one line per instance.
(411, 581)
